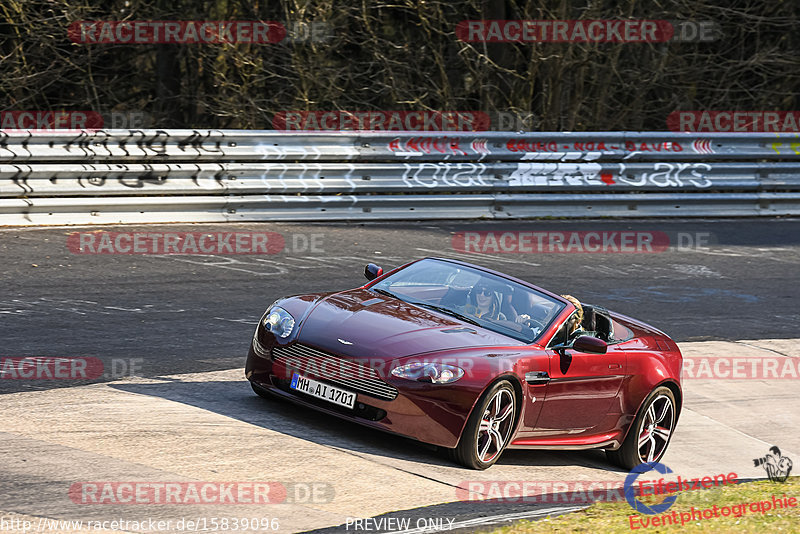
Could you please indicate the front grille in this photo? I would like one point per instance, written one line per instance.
(339, 371)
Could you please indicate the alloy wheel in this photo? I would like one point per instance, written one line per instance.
(495, 426)
(656, 428)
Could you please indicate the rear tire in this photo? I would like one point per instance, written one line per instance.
(650, 432)
(488, 428)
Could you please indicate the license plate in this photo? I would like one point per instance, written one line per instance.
(323, 391)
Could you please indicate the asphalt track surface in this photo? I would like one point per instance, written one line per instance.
(181, 324)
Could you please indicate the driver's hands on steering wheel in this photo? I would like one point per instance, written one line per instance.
(533, 324)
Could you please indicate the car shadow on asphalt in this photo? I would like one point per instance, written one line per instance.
(235, 399)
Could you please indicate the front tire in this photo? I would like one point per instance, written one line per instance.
(488, 428)
(650, 432)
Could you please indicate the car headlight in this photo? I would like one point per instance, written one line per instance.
(438, 373)
(279, 322)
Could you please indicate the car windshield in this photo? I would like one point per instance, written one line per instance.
(474, 296)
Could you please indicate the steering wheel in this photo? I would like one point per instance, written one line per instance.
(533, 324)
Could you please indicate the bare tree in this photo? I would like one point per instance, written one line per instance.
(400, 55)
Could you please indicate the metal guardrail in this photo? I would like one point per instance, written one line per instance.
(271, 145)
(122, 176)
(69, 179)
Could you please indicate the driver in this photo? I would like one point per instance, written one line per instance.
(483, 303)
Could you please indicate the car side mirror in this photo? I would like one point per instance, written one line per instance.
(591, 345)
(588, 344)
(372, 271)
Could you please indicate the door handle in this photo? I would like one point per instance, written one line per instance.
(615, 366)
(537, 378)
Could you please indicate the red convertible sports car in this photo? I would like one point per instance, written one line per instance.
(473, 361)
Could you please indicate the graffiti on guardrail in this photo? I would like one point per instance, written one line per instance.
(543, 174)
(590, 147)
(112, 176)
(272, 178)
(196, 145)
(786, 148)
(132, 182)
(669, 175)
(417, 146)
(595, 174)
(530, 148)
(431, 175)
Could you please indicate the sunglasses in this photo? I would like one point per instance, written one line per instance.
(483, 291)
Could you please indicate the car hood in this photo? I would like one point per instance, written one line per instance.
(360, 323)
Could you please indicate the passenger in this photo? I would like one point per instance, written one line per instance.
(575, 328)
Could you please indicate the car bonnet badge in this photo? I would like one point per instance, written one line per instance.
(343, 342)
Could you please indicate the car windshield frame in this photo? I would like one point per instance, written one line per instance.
(449, 277)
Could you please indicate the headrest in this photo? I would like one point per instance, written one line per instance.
(589, 319)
